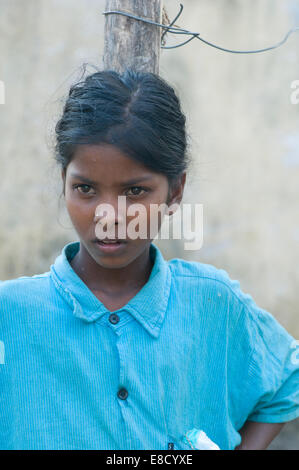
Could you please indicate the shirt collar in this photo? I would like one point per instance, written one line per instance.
(148, 306)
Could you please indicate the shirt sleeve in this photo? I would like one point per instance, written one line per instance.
(263, 363)
(273, 371)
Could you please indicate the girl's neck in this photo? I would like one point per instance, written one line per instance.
(113, 281)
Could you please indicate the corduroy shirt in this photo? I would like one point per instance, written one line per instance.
(190, 350)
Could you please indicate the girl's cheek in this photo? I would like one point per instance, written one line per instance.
(80, 213)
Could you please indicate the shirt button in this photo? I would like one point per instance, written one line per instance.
(122, 394)
(113, 318)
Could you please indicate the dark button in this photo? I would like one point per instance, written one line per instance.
(122, 394)
(113, 318)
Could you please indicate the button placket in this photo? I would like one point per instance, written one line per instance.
(123, 392)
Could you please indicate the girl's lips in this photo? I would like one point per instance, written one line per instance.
(110, 247)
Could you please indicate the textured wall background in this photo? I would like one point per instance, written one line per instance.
(243, 131)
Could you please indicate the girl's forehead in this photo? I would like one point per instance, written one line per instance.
(99, 152)
(103, 154)
(108, 163)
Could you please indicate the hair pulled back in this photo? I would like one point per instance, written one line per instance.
(138, 112)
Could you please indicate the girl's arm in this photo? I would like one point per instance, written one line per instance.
(258, 436)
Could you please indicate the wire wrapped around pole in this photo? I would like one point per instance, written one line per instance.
(176, 30)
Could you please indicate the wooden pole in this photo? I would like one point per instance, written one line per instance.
(130, 43)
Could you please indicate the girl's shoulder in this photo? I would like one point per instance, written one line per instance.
(23, 287)
(208, 277)
(214, 288)
(25, 299)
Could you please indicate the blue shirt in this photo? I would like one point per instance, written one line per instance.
(190, 350)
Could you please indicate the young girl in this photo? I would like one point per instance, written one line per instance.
(115, 347)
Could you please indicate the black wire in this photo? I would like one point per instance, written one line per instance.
(172, 23)
(175, 30)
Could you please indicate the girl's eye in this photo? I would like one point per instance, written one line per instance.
(84, 188)
(136, 190)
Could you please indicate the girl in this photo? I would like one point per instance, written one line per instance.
(114, 347)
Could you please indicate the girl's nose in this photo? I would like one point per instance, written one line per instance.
(110, 214)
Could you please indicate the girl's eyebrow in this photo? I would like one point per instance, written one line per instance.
(123, 183)
(83, 178)
(136, 180)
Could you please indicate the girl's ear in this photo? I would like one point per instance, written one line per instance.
(176, 193)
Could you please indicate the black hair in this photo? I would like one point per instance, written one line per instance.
(138, 112)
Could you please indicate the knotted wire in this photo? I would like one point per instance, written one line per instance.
(177, 30)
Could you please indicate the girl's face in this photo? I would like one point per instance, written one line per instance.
(97, 175)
